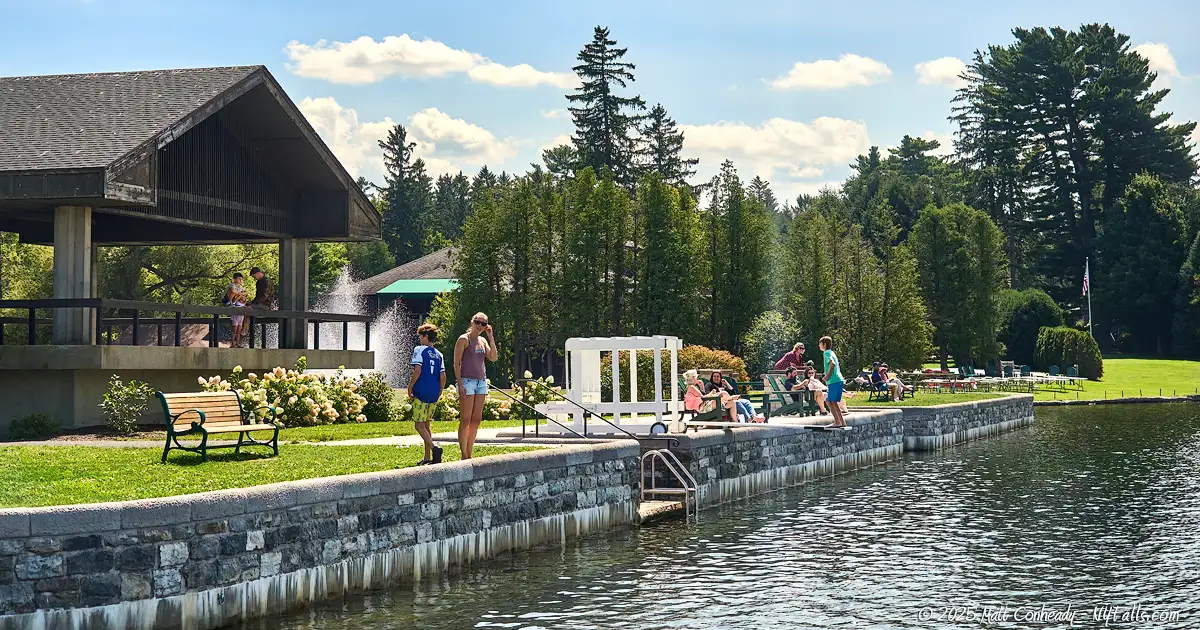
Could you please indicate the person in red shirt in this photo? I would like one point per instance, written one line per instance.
(792, 359)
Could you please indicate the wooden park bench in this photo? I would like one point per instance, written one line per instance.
(209, 413)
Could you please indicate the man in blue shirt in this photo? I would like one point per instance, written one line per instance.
(425, 388)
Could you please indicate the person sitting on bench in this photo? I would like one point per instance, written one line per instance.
(693, 396)
(791, 383)
(814, 384)
(896, 385)
(741, 408)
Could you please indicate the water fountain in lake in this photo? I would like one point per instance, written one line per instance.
(393, 329)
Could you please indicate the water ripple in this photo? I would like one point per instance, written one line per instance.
(1091, 506)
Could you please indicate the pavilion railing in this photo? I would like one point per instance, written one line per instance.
(112, 317)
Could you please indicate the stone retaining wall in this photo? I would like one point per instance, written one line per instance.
(731, 465)
(212, 559)
(932, 428)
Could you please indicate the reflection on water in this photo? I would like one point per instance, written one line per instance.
(1092, 506)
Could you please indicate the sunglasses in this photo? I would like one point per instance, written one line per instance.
(480, 322)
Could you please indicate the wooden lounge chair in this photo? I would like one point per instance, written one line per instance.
(806, 405)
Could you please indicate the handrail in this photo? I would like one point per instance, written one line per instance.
(534, 409)
(105, 303)
(586, 412)
(256, 316)
(691, 498)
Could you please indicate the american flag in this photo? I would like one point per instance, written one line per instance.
(1085, 278)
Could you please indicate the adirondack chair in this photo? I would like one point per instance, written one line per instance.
(1026, 370)
(1053, 370)
(716, 414)
(1073, 372)
(788, 404)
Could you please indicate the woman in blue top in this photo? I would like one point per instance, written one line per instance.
(833, 379)
(425, 388)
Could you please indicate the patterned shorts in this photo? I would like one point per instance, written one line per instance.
(422, 411)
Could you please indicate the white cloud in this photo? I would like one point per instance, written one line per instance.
(521, 75)
(558, 140)
(942, 71)
(784, 152)
(447, 144)
(365, 60)
(356, 144)
(827, 74)
(554, 113)
(1161, 61)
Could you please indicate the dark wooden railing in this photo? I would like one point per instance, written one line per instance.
(128, 313)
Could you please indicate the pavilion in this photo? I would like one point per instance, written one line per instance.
(193, 156)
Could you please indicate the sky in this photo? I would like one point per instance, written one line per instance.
(790, 91)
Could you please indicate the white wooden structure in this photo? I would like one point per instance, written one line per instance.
(583, 386)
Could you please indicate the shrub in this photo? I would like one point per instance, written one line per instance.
(124, 404)
(35, 426)
(300, 399)
(1022, 315)
(1064, 346)
(380, 397)
(770, 335)
(690, 357)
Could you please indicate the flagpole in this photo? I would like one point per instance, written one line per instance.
(1087, 272)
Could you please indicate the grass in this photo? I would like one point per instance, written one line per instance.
(358, 431)
(922, 399)
(1132, 378)
(33, 476)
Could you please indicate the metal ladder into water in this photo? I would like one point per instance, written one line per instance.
(650, 489)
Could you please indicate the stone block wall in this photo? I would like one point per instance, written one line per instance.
(731, 465)
(207, 560)
(932, 428)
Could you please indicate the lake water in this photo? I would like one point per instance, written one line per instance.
(1091, 507)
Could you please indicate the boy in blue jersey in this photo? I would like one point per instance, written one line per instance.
(834, 381)
(425, 387)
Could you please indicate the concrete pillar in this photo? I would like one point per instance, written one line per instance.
(292, 290)
(73, 275)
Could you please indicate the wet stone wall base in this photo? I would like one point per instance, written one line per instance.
(213, 559)
(932, 428)
(730, 465)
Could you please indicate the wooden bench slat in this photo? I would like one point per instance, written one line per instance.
(237, 428)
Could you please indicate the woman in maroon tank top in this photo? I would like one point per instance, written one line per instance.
(470, 353)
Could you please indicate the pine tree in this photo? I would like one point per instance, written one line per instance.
(760, 190)
(604, 121)
(407, 196)
(561, 161)
(662, 152)
(452, 203)
(1141, 249)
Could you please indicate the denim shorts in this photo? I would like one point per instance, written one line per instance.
(474, 386)
(835, 392)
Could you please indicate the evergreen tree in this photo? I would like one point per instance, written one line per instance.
(669, 278)
(1186, 328)
(662, 152)
(605, 121)
(561, 161)
(760, 190)
(741, 264)
(958, 252)
(407, 196)
(1059, 123)
(1141, 250)
(451, 205)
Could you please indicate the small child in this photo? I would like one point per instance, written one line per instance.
(425, 387)
(237, 296)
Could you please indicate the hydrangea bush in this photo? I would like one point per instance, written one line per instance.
(301, 399)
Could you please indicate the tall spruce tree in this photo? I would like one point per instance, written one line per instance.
(605, 122)
(1186, 327)
(662, 151)
(669, 279)
(407, 196)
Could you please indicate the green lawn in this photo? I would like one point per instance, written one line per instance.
(358, 431)
(922, 399)
(32, 476)
(1127, 378)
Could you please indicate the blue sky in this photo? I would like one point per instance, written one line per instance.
(787, 90)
